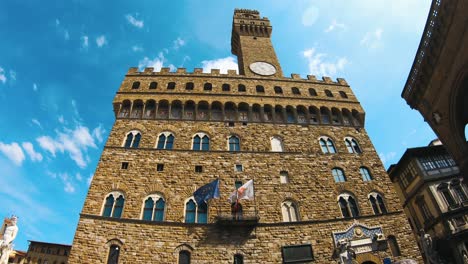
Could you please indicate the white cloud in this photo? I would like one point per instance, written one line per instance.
(12, 75)
(69, 188)
(318, 66)
(310, 15)
(156, 63)
(36, 122)
(85, 42)
(387, 157)
(57, 22)
(3, 78)
(137, 48)
(101, 41)
(35, 87)
(372, 40)
(334, 25)
(13, 151)
(74, 142)
(78, 176)
(61, 119)
(98, 133)
(223, 64)
(135, 22)
(178, 43)
(33, 155)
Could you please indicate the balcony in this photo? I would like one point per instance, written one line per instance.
(239, 220)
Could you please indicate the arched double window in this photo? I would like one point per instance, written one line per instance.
(165, 140)
(352, 145)
(132, 139)
(348, 205)
(276, 144)
(377, 203)
(196, 213)
(327, 145)
(153, 208)
(338, 175)
(366, 176)
(289, 211)
(113, 205)
(234, 143)
(201, 141)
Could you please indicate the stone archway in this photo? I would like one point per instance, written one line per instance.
(367, 258)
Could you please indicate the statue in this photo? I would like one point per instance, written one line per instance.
(344, 252)
(430, 253)
(6, 239)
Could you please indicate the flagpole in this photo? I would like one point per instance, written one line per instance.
(255, 200)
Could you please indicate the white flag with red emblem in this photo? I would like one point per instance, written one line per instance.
(245, 192)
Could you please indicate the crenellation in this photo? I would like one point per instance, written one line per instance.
(232, 72)
(133, 70)
(342, 81)
(148, 70)
(311, 78)
(327, 79)
(215, 71)
(198, 70)
(181, 70)
(165, 70)
(295, 76)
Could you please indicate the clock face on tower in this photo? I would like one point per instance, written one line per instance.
(262, 68)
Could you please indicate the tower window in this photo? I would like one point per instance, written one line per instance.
(113, 207)
(136, 85)
(201, 142)
(241, 88)
(189, 86)
(312, 92)
(160, 167)
(276, 144)
(196, 213)
(327, 145)
(207, 87)
(338, 175)
(154, 211)
(153, 85)
(352, 145)
(278, 90)
(165, 141)
(238, 259)
(343, 94)
(377, 203)
(238, 184)
(239, 168)
(260, 89)
(171, 86)
(348, 205)
(226, 87)
(295, 90)
(124, 165)
(328, 93)
(133, 139)
(114, 252)
(297, 254)
(289, 211)
(284, 177)
(234, 143)
(184, 257)
(366, 176)
(198, 168)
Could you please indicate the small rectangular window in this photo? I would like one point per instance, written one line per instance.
(230, 124)
(284, 177)
(124, 165)
(238, 184)
(198, 168)
(298, 253)
(239, 167)
(160, 167)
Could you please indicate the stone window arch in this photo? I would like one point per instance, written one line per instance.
(276, 144)
(163, 109)
(243, 111)
(278, 90)
(114, 254)
(346, 115)
(313, 115)
(154, 207)
(289, 211)
(132, 139)
(153, 85)
(268, 113)
(343, 95)
(377, 202)
(312, 92)
(207, 87)
(150, 109)
(365, 173)
(325, 115)
(201, 141)
(234, 143)
(338, 175)
(189, 86)
(260, 89)
(176, 110)
(301, 114)
(290, 114)
(165, 140)
(113, 204)
(352, 145)
(125, 110)
(189, 110)
(348, 205)
(137, 109)
(195, 213)
(326, 145)
(136, 85)
(295, 90)
(328, 93)
(216, 111)
(184, 257)
(241, 88)
(226, 87)
(230, 111)
(171, 86)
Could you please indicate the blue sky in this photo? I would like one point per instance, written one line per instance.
(61, 63)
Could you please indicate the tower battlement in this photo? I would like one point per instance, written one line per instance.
(217, 72)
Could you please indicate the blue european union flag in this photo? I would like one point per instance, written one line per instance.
(207, 191)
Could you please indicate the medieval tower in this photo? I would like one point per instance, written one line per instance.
(319, 184)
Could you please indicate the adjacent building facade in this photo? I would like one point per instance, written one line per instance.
(438, 80)
(321, 191)
(47, 253)
(435, 199)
